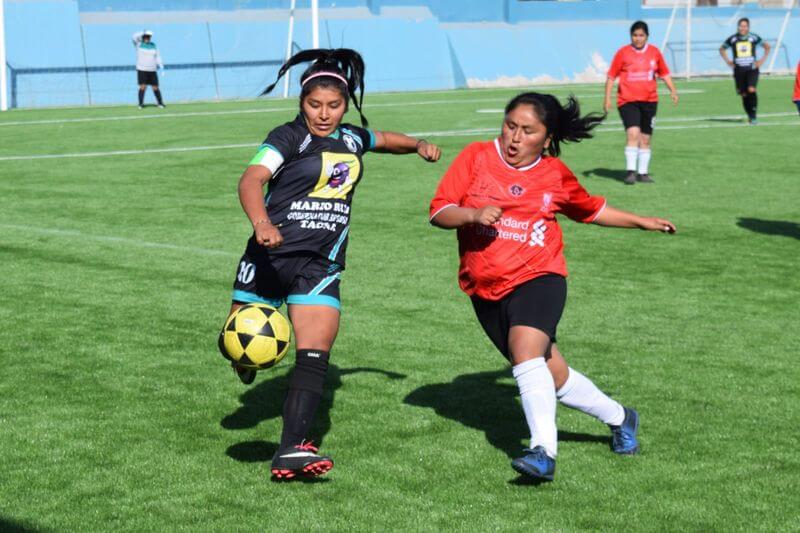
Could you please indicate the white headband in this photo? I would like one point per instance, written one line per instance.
(320, 74)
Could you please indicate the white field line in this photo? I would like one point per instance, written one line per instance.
(115, 240)
(271, 110)
(442, 133)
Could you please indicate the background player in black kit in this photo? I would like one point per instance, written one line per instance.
(745, 65)
(296, 254)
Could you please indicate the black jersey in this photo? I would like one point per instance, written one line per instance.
(744, 49)
(311, 190)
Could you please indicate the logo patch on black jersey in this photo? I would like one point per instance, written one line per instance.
(340, 172)
(350, 143)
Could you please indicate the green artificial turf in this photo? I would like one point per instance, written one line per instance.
(117, 412)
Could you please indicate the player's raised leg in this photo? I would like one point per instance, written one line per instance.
(315, 328)
(578, 392)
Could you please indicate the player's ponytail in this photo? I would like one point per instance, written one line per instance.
(563, 123)
(344, 68)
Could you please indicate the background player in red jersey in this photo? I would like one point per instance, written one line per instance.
(503, 197)
(637, 65)
(796, 95)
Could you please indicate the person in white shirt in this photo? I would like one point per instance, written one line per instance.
(148, 61)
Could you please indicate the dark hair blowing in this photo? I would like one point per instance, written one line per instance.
(640, 25)
(563, 123)
(743, 19)
(345, 62)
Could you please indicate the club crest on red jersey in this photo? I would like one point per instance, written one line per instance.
(516, 190)
(547, 200)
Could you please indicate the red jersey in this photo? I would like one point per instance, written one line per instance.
(526, 242)
(637, 71)
(796, 95)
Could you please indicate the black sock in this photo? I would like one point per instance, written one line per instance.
(753, 105)
(141, 96)
(158, 96)
(304, 395)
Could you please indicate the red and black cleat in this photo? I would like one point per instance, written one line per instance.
(300, 460)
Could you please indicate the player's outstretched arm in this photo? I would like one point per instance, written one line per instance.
(617, 218)
(452, 216)
(767, 48)
(399, 143)
(251, 196)
(673, 91)
(724, 53)
(607, 100)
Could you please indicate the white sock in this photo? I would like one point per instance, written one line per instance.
(538, 394)
(631, 153)
(580, 393)
(644, 160)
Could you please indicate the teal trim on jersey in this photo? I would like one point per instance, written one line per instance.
(314, 299)
(266, 199)
(324, 283)
(372, 140)
(250, 297)
(335, 250)
(149, 46)
(335, 134)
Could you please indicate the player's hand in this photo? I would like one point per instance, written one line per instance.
(657, 224)
(267, 234)
(487, 215)
(607, 105)
(674, 97)
(759, 63)
(428, 151)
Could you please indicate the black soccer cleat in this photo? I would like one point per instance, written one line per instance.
(245, 375)
(630, 179)
(644, 178)
(300, 460)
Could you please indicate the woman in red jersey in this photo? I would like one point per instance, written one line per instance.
(796, 95)
(637, 65)
(503, 196)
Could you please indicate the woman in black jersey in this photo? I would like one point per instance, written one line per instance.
(296, 254)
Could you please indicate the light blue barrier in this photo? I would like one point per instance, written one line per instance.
(216, 59)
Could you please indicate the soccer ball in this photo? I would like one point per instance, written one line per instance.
(255, 336)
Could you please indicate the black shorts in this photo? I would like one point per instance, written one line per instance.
(744, 78)
(295, 279)
(146, 77)
(640, 115)
(537, 303)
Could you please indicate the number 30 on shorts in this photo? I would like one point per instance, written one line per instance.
(247, 272)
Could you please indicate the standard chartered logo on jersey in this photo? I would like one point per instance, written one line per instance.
(511, 229)
(537, 234)
(339, 175)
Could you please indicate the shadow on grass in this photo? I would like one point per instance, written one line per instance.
(264, 401)
(613, 174)
(770, 227)
(729, 120)
(12, 526)
(480, 402)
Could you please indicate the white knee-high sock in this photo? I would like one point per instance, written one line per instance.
(631, 153)
(644, 160)
(580, 393)
(538, 394)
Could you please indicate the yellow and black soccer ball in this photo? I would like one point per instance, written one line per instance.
(255, 336)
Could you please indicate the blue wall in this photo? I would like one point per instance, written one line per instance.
(435, 44)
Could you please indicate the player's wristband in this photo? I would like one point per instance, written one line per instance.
(262, 221)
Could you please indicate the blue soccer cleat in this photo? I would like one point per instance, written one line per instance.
(623, 437)
(536, 464)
